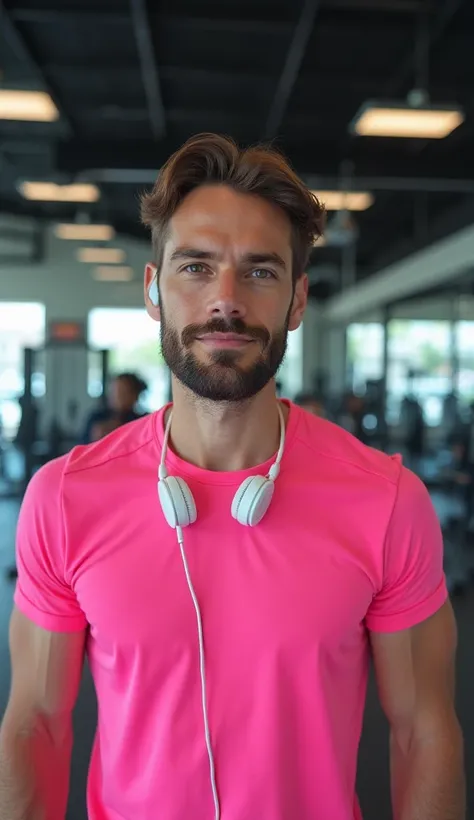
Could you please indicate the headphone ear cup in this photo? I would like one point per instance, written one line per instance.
(177, 502)
(153, 294)
(252, 500)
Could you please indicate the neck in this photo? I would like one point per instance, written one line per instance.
(225, 436)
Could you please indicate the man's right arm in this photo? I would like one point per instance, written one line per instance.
(36, 731)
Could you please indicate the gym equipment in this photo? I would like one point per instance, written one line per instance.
(64, 363)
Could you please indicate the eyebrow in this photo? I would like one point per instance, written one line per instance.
(247, 258)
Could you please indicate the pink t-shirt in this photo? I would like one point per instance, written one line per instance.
(350, 543)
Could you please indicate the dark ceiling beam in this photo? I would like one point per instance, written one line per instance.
(359, 85)
(396, 172)
(291, 68)
(447, 221)
(17, 43)
(433, 185)
(32, 16)
(13, 234)
(383, 6)
(211, 119)
(149, 68)
(106, 18)
(220, 25)
(436, 30)
(27, 145)
(36, 15)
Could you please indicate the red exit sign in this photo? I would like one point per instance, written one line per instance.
(66, 332)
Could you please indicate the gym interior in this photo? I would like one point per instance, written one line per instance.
(373, 103)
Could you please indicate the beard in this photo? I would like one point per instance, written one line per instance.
(223, 379)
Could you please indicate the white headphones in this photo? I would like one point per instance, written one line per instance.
(153, 294)
(250, 502)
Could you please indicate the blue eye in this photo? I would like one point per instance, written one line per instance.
(195, 267)
(263, 273)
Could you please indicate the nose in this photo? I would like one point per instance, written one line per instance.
(226, 301)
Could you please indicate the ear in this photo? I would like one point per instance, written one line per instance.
(151, 274)
(300, 300)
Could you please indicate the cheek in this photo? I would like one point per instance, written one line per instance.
(179, 305)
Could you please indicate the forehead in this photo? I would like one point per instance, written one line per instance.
(218, 215)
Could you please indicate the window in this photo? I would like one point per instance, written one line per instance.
(22, 324)
(465, 352)
(419, 364)
(290, 374)
(364, 354)
(133, 339)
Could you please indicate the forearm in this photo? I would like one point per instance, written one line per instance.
(34, 772)
(428, 777)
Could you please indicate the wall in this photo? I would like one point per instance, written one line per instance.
(68, 291)
(66, 286)
(435, 265)
(429, 308)
(313, 330)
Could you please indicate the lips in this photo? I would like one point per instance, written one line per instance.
(221, 341)
(225, 337)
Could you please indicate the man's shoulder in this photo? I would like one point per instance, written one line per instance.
(120, 444)
(114, 449)
(328, 444)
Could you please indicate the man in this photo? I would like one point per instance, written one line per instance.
(230, 661)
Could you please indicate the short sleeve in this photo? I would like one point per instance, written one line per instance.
(42, 592)
(414, 584)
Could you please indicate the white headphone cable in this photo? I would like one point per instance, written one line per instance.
(202, 664)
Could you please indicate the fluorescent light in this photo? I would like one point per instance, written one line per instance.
(51, 192)
(345, 200)
(424, 122)
(33, 106)
(84, 232)
(110, 273)
(111, 256)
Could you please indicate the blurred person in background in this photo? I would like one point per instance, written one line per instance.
(352, 415)
(123, 398)
(311, 403)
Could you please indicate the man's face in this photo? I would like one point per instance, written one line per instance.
(226, 293)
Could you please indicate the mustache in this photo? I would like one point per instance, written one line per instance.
(237, 326)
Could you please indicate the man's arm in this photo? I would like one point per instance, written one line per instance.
(36, 731)
(415, 676)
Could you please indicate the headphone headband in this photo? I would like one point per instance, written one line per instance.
(273, 471)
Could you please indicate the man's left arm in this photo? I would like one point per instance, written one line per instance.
(415, 676)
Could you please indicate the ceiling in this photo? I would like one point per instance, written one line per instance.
(132, 84)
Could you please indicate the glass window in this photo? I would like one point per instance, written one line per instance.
(364, 354)
(419, 366)
(290, 374)
(465, 352)
(22, 324)
(133, 339)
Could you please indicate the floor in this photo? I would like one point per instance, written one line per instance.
(373, 760)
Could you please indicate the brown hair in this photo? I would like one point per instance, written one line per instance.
(208, 159)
